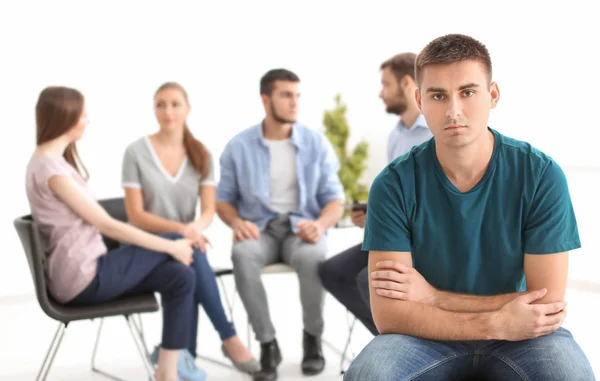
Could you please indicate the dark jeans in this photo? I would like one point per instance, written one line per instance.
(133, 270)
(346, 277)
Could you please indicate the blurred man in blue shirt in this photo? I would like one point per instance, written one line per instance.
(280, 192)
(345, 275)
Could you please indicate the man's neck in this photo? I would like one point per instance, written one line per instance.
(409, 117)
(465, 166)
(274, 130)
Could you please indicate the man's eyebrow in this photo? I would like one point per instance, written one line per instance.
(442, 90)
(436, 90)
(468, 86)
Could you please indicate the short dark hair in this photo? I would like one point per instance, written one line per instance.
(268, 80)
(453, 48)
(401, 64)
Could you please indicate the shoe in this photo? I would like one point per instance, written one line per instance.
(313, 361)
(186, 365)
(270, 358)
(251, 366)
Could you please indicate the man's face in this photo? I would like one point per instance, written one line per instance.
(391, 93)
(282, 104)
(455, 100)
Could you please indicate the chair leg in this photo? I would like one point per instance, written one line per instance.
(137, 338)
(347, 346)
(54, 345)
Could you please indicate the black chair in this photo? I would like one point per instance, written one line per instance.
(127, 307)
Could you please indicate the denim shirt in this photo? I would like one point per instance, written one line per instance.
(244, 175)
(403, 139)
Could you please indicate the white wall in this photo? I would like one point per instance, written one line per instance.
(117, 53)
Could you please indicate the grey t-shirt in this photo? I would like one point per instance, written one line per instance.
(172, 198)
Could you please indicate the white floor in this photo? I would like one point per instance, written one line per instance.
(26, 332)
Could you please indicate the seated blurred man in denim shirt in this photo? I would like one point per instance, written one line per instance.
(280, 192)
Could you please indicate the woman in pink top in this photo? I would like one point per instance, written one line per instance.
(80, 269)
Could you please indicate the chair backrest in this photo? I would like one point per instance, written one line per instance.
(35, 251)
(115, 207)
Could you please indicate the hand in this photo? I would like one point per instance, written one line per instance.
(243, 230)
(358, 218)
(310, 231)
(181, 250)
(395, 280)
(520, 319)
(193, 232)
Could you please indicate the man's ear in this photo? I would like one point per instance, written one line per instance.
(494, 94)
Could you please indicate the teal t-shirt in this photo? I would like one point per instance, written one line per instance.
(472, 242)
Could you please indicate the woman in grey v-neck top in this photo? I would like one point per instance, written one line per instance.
(175, 198)
(172, 198)
(169, 204)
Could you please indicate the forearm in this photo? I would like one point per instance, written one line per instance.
(206, 218)
(429, 322)
(128, 234)
(455, 302)
(331, 214)
(227, 213)
(155, 224)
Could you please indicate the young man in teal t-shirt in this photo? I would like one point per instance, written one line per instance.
(468, 239)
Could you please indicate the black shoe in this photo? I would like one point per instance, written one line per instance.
(313, 361)
(270, 358)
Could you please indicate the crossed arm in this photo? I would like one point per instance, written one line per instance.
(403, 302)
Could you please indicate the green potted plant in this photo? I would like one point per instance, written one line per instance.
(353, 164)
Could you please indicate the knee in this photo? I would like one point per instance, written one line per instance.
(385, 358)
(362, 282)
(326, 274)
(362, 278)
(368, 368)
(561, 356)
(187, 278)
(309, 258)
(245, 254)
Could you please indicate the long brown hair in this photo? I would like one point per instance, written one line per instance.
(194, 148)
(58, 109)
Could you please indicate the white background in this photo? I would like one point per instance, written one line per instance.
(118, 53)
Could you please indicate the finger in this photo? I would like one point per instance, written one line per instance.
(395, 265)
(239, 235)
(387, 285)
(314, 237)
(533, 296)
(253, 230)
(551, 308)
(246, 232)
(554, 319)
(546, 330)
(392, 275)
(391, 294)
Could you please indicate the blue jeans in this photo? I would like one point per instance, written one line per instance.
(552, 357)
(207, 295)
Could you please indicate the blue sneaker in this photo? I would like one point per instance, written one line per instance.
(186, 366)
